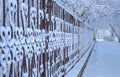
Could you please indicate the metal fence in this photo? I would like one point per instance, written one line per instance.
(39, 38)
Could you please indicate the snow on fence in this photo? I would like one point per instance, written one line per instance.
(38, 38)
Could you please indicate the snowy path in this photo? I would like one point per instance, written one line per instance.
(104, 61)
(78, 66)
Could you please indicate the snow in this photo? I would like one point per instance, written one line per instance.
(104, 61)
(99, 13)
(78, 66)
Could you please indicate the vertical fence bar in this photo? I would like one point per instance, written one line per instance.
(18, 13)
(29, 13)
(4, 12)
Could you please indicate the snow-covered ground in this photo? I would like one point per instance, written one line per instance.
(104, 61)
(78, 66)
